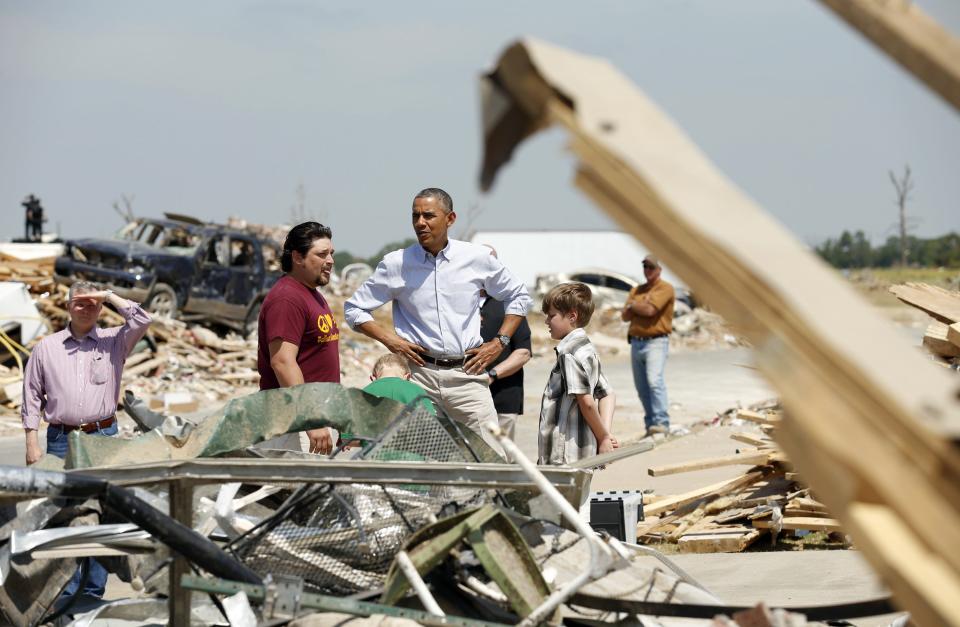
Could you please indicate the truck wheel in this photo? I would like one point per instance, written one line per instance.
(251, 325)
(163, 301)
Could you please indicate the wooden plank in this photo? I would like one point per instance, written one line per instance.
(740, 459)
(716, 489)
(757, 417)
(798, 522)
(909, 37)
(144, 367)
(935, 339)
(802, 512)
(953, 333)
(808, 503)
(721, 540)
(941, 304)
(239, 376)
(137, 358)
(919, 577)
(753, 440)
(180, 599)
(867, 414)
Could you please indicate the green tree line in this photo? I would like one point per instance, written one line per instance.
(854, 250)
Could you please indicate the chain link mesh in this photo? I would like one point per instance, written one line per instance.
(341, 538)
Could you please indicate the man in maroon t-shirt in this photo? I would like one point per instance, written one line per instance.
(298, 338)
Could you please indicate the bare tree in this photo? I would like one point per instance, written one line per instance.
(903, 185)
(299, 209)
(466, 229)
(126, 212)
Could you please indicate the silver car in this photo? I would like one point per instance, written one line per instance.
(609, 288)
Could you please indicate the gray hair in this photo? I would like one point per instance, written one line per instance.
(442, 198)
(82, 287)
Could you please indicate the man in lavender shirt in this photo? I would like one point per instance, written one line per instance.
(72, 380)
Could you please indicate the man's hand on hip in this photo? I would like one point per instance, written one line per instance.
(482, 356)
(399, 346)
(321, 440)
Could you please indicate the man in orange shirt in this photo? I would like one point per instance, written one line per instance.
(649, 310)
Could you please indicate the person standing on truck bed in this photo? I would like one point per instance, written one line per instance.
(298, 340)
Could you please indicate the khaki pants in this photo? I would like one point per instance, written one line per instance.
(464, 397)
(508, 424)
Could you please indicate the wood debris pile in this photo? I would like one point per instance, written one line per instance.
(37, 274)
(177, 357)
(729, 516)
(942, 337)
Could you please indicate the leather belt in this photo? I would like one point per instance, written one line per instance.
(649, 337)
(448, 362)
(88, 427)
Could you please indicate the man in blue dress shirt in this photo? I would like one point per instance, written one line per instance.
(436, 289)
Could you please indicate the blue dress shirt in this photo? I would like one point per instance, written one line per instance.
(436, 300)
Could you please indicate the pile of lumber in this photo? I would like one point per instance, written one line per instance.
(729, 516)
(942, 337)
(183, 359)
(37, 274)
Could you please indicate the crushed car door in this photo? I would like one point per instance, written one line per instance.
(246, 275)
(213, 274)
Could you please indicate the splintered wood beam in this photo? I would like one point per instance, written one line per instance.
(801, 522)
(740, 459)
(732, 539)
(910, 37)
(749, 438)
(717, 489)
(867, 417)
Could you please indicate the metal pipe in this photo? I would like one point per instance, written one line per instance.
(416, 582)
(601, 559)
(181, 538)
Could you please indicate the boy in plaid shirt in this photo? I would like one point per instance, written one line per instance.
(576, 413)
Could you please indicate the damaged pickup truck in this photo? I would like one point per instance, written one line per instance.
(180, 267)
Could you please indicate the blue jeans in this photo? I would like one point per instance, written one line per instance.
(97, 577)
(648, 358)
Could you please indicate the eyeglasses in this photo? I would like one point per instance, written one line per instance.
(647, 266)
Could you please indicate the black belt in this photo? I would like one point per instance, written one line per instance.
(88, 427)
(451, 362)
(649, 337)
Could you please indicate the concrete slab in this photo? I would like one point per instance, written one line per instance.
(788, 578)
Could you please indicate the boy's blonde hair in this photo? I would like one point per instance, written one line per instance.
(390, 361)
(568, 297)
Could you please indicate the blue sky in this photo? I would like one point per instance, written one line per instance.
(224, 108)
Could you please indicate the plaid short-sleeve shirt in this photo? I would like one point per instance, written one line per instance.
(565, 436)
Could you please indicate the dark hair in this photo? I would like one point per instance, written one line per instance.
(301, 239)
(442, 197)
(568, 297)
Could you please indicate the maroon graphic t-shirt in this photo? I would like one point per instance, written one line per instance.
(294, 313)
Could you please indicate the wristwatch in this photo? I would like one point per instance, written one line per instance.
(492, 373)
(504, 340)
